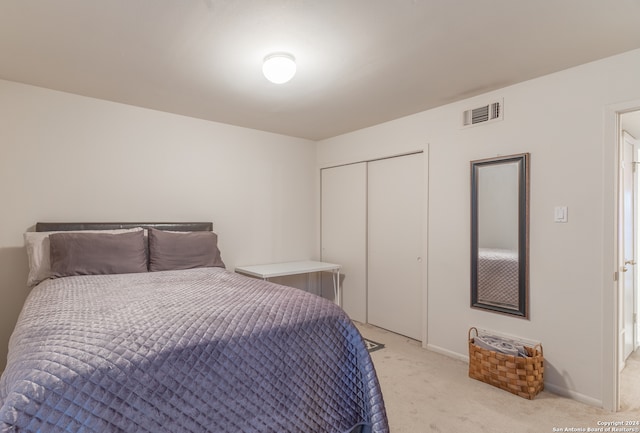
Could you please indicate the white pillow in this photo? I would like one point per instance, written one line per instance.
(38, 252)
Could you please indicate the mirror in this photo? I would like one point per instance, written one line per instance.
(500, 234)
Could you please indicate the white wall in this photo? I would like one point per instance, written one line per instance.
(69, 158)
(498, 210)
(559, 119)
(65, 157)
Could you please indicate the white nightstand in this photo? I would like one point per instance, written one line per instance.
(271, 270)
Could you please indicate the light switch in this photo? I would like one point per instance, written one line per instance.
(561, 214)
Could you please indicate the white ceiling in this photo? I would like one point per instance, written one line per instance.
(360, 62)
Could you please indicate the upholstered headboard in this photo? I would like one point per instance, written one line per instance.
(174, 226)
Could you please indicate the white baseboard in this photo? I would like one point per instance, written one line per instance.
(449, 353)
(564, 392)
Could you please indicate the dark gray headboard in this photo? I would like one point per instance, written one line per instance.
(176, 226)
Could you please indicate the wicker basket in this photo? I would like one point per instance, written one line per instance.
(518, 375)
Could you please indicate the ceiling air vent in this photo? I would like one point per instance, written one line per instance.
(486, 113)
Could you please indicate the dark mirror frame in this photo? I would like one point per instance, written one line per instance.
(523, 163)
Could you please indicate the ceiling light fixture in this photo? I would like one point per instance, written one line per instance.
(279, 67)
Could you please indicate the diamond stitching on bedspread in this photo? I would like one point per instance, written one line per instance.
(134, 371)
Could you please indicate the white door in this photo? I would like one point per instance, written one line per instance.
(395, 247)
(628, 295)
(344, 233)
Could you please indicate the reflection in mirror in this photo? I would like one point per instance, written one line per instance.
(499, 234)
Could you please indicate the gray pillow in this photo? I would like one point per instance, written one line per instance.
(183, 250)
(97, 253)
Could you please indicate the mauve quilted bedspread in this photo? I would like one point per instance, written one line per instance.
(498, 273)
(202, 350)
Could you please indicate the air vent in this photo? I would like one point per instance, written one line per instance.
(486, 113)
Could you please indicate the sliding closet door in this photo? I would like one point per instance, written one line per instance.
(344, 235)
(395, 235)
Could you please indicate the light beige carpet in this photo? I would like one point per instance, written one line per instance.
(428, 392)
(630, 385)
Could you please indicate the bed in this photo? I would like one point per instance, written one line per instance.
(181, 346)
(498, 271)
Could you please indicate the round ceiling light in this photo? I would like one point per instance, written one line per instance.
(279, 67)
